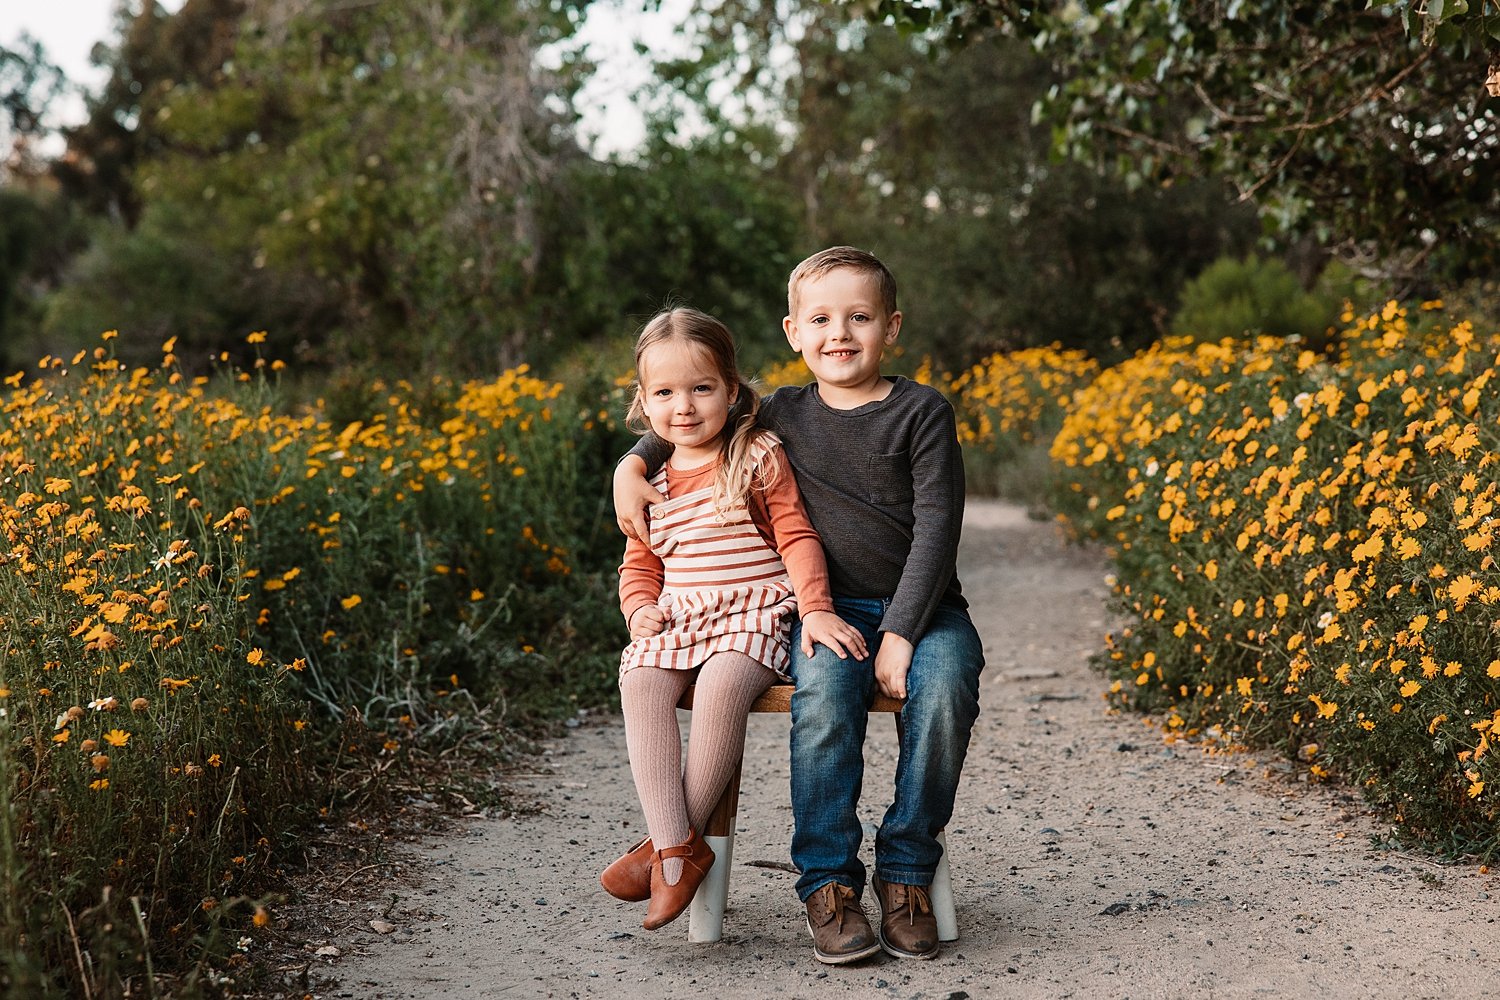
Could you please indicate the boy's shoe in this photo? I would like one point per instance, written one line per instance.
(908, 928)
(629, 876)
(840, 930)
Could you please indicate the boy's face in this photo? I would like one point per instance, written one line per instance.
(841, 329)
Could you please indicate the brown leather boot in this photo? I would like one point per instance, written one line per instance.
(908, 928)
(668, 901)
(628, 877)
(840, 930)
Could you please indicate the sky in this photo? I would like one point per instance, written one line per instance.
(69, 29)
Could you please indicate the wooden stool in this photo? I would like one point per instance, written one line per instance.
(706, 914)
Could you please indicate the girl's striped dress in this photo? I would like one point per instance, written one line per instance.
(724, 585)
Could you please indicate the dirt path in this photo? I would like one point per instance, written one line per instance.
(1089, 858)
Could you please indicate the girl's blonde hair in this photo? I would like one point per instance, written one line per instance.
(737, 476)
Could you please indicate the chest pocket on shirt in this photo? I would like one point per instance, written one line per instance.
(890, 478)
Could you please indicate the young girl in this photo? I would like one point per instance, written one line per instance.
(731, 557)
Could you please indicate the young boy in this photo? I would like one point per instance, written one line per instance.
(877, 460)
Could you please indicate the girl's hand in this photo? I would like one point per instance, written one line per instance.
(648, 619)
(632, 495)
(833, 632)
(891, 665)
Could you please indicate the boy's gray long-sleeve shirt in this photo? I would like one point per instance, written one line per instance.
(884, 486)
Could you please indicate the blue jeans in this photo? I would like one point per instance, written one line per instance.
(829, 712)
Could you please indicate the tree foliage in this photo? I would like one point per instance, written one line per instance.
(39, 234)
(401, 184)
(928, 155)
(693, 223)
(376, 166)
(394, 185)
(1369, 129)
(29, 83)
(153, 55)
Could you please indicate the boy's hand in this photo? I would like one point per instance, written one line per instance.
(632, 495)
(892, 662)
(833, 632)
(648, 619)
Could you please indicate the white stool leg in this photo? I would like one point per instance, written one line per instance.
(706, 912)
(941, 895)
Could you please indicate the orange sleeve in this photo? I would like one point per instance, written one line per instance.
(641, 576)
(781, 518)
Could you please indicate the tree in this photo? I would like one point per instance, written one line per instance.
(998, 244)
(1368, 129)
(697, 224)
(29, 83)
(928, 155)
(398, 186)
(381, 161)
(155, 54)
(39, 232)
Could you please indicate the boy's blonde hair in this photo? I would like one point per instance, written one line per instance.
(737, 475)
(834, 258)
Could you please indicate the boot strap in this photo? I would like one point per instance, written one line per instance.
(686, 849)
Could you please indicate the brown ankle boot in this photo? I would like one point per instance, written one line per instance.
(629, 876)
(668, 901)
(840, 930)
(908, 928)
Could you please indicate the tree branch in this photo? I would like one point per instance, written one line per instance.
(1249, 192)
(1144, 139)
(1376, 92)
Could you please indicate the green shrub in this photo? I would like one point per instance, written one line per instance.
(1237, 298)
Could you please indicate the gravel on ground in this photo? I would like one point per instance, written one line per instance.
(1091, 856)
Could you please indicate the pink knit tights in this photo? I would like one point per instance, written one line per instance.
(675, 797)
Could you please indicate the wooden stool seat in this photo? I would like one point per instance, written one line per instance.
(778, 698)
(706, 914)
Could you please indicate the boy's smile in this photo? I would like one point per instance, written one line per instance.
(841, 329)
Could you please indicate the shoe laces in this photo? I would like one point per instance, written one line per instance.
(914, 897)
(838, 895)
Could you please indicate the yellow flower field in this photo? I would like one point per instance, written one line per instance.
(207, 594)
(1305, 554)
(218, 605)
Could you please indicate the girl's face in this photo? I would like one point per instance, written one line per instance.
(685, 399)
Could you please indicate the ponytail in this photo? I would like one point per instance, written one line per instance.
(738, 475)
